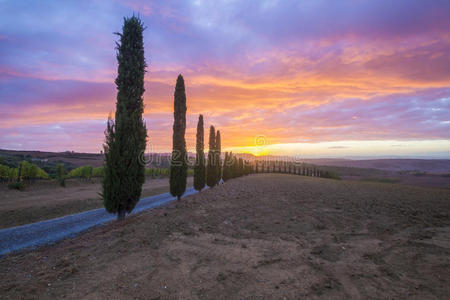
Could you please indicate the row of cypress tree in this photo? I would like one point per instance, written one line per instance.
(210, 173)
(126, 135)
(292, 168)
(234, 167)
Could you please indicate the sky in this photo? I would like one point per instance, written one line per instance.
(349, 78)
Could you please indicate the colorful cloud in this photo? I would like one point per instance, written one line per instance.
(297, 72)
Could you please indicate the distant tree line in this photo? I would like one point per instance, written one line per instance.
(267, 166)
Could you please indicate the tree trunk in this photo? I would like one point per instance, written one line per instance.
(121, 215)
(178, 198)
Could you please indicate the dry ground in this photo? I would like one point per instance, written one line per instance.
(46, 199)
(429, 180)
(264, 236)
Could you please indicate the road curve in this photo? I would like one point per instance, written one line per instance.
(53, 230)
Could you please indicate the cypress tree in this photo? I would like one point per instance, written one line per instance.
(226, 167)
(241, 167)
(199, 168)
(178, 162)
(125, 138)
(218, 159)
(211, 166)
(61, 174)
(235, 166)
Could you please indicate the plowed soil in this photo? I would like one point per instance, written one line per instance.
(266, 236)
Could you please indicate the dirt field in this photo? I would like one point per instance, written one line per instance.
(260, 237)
(429, 180)
(46, 200)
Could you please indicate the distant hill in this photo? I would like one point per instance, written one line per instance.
(424, 165)
(385, 164)
(68, 157)
(162, 160)
(76, 159)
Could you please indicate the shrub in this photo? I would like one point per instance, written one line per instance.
(30, 172)
(61, 174)
(153, 172)
(83, 172)
(98, 172)
(4, 173)
(17, 186)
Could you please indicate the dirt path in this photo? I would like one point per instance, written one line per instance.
(46, 200)
(262, 236)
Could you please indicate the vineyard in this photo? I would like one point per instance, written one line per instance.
(26, 172)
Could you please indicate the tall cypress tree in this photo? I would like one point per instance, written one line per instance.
(199, 168)
(234, 166)
(211, 176)
(218, 159)
(226, 167)
(126, 136)
(178, 162)
(241, 167)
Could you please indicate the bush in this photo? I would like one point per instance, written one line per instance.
(5, 173)
(153, 172)
(17, 186)
(60, 171)
(84, 172)
(61, 175)
(31, 171)
(62, 181)
(98, 172)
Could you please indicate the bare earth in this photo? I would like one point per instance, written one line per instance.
(45, 200)
(266, 236)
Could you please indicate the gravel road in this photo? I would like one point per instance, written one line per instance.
(50, 231)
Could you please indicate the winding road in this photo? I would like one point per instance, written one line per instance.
(51, 231)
